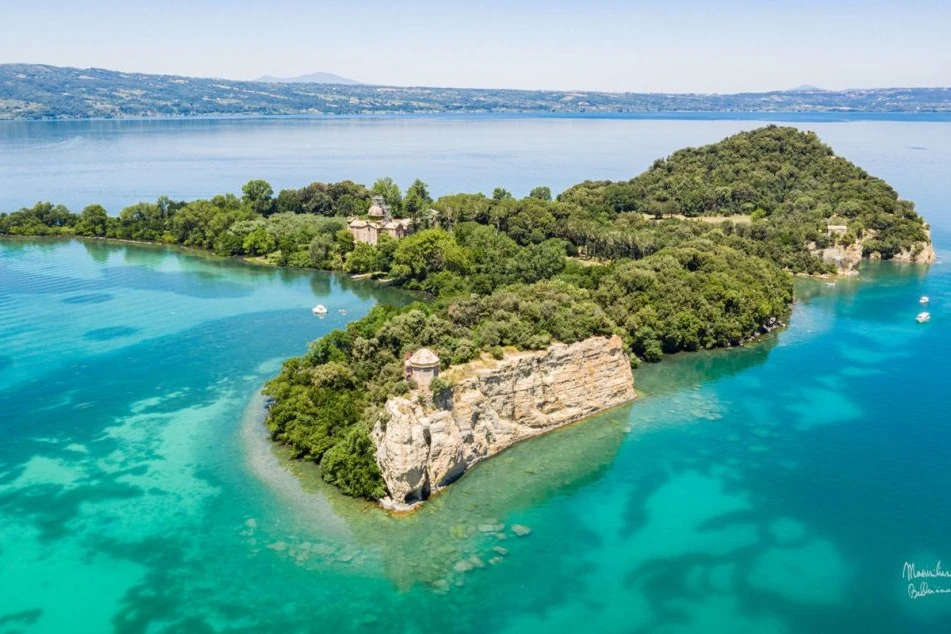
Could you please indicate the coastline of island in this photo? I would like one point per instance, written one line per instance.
(696, 253)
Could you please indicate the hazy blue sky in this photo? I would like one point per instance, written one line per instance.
(677, 45)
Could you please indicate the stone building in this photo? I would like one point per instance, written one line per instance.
(378, 208)
(422, 367)
(379, 221)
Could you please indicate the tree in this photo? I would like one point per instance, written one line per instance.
(319, 203)
(417, 201)
(288, 201)
(344, 241)
(542, 193)
(430, 251)
(385, 248)
(362, 259)
(188, 226)
(540, 261)
(528, 221)
(93, 221)
(390, 192)
(258, 194)
(462, 208)
(142, 221)
(259, 242)
(320, 249)
(500, 193)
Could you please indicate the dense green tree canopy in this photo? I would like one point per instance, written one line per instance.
(786, 185)
(695, 253)
(259, 196)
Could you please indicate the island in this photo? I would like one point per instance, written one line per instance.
(534, 311)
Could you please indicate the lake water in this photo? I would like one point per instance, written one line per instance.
(118, 163)
(777, 488)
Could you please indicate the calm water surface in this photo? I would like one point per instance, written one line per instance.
(776, 488)
(118, 163)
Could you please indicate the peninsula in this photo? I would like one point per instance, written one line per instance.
(537, 309)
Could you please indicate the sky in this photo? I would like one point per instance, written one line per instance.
(610, 45)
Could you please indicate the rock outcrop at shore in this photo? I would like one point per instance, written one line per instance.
(846, 258)
(423, 446)
(920, 252)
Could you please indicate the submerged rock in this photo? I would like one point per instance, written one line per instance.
(521, 530)
(491, 528)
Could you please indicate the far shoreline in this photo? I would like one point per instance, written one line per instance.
(793, 116)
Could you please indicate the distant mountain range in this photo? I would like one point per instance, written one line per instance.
(312, 78)
(33, 91)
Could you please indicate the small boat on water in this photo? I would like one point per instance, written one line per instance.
(923, 317)
(924, 299)
(319, 309)
(342, 311)
(830, 283)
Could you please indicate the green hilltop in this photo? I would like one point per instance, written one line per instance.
(696, 253)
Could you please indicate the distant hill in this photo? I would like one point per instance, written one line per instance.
(805, 88)
(312, 78)
(34, 91)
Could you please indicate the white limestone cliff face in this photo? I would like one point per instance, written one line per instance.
(492, 405)
(920, 252)
(847, 258)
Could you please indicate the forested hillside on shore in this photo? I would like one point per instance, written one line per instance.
(36, 91)
(695, 253)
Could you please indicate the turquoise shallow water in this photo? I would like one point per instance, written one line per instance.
(775, 488)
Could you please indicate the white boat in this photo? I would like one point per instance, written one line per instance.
(924, 299)
(319, 309)
(923, 318)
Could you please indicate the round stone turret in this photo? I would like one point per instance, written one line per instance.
(422, 367)
(378, 208)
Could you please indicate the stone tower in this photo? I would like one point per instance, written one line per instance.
(379, 209)
(422, 367)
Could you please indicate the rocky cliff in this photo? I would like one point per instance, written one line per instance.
(847, 258)
(920, 252)
(423, 446)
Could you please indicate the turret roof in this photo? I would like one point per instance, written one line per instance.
(424, 357)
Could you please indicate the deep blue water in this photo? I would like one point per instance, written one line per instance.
(774, 488)
(118, 163)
